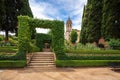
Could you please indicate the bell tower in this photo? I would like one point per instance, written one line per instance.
(68, 28)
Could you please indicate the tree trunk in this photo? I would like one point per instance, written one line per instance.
(6, 36)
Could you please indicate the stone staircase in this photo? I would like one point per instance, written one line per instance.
(42, 60)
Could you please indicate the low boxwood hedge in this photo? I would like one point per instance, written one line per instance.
(84, 63)
(93, 51)
(20, 55)
(12, 63)
(91, 55)
(92, 58)
(8, 49)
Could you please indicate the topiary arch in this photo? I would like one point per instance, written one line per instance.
(26, 24)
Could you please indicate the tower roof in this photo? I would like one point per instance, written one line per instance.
(69, 21)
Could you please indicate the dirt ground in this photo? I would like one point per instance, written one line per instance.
(59, 74)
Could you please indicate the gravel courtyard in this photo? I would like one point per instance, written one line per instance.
(59, 74)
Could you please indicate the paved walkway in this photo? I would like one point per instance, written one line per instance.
(60, 74)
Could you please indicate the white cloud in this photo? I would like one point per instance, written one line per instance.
(38, 10)
(59, 9)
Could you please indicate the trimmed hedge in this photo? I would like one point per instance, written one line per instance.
(66, 57)
(8, 49)
(41, 38)
(58, 38)
(24, 32)
(92, 57)
(84, 63)
(12, 64)
(93, 51)
(20, 55)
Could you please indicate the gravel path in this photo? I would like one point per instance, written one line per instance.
(60, 74)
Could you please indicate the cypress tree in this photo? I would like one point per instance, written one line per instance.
(13, 8)
(111, 19)
(2, 11)
(10, 18)
(84, 29)
(94, 21)
(25, 10)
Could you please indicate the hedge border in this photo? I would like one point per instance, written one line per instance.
(93, 51)
(84, 63)
(12, 64)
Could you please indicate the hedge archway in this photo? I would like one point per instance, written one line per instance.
(26, 24)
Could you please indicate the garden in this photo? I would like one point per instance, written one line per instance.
(26, 44)
(89, 54)
(68, 53)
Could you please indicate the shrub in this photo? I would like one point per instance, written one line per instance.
(80, 46)
(1, 38)
(114, 44)
(92, 55)
(13, 42)
(20, 55)
(83, 63)
(93, 51)
(89, 57)
(12, 64)
(8, 49)
(73, 36)
(34, 48)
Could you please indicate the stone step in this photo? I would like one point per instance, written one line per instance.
(41, 64)
(42, 58)
(47, 53)
(34, 59)
(43, 55)
(42, 67)
(42, 61)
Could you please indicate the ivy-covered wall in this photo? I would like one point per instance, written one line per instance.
(26, 24)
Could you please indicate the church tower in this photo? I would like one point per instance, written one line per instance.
(68, 29)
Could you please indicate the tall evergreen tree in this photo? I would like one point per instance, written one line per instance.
(25, 10)
(111, 19)
(84, 29)
(91, 22)
(13, 8)
(94, 21)
(2, 12)
(10, 17)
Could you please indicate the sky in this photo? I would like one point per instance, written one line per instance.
(59, 9)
